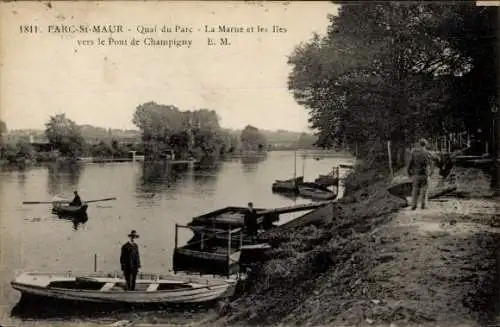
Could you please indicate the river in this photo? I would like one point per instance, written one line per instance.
(150, 199)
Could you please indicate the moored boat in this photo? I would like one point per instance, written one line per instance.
(289, 185)
(221, 245)
(230, 218)
(110, 288)
(214, 251)
(316, 192)
(327, 180)
(330, 179)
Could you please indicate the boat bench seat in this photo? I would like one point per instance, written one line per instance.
(153, 287)
(107, 287)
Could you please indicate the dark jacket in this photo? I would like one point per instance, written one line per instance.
(76, 201)
(129, 258)
(250, 219)
(420, 163)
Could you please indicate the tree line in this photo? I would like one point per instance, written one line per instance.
(162, 128)
(397, 72)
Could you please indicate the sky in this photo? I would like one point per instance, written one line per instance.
(49, 72)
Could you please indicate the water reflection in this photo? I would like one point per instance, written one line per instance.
(207, 163)
(206, 172)
(30, 308)
(79, 221)
(159, 176)
(63, 177)
(75, 220)
(21, 178)
(250, 163)
(290, 196)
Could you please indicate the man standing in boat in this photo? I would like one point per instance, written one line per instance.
(250, 220)
(130, 260)
(419, 170)
(76, 200)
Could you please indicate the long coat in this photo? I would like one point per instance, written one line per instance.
(129, 258)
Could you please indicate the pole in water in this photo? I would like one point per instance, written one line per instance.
(176, 228)
(95, 262)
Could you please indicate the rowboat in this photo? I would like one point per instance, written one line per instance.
(67, 210)
(289, 185)
(403, 190)
(60, 206)
(327, 180)
(110, 288)
(316, 192)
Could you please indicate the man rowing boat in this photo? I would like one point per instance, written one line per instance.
(76, 200)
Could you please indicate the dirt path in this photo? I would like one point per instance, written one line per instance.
(437, 265)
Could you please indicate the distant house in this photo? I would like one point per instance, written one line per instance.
(38, 141)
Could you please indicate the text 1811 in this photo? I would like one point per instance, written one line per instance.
(28, 29)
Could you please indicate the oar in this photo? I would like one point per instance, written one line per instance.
(44, 202)
(99, 200)
(65, 201)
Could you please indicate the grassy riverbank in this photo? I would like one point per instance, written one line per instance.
(369, 260)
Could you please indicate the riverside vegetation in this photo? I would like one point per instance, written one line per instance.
(189, 134)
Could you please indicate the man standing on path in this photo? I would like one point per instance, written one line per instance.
(130, 261)
(420, 169)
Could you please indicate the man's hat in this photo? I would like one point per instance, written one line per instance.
(134, 234)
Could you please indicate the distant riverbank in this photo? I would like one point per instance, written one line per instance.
(22, 161)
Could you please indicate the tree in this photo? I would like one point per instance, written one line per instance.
(252, 139)
(3, 127)
(166, 127)
(102, 149)
(3, 130)
(64, 135)
(157, 123)
(306, 141)
(384, 71)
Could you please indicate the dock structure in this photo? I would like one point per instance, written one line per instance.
(234, 216)
(220, 242)
(212, 251)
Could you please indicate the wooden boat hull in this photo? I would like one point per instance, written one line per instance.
(215, 254)
(60, 206)
(287, 186)
(229, 218)
(326, 180)
(403, 190)
(316, 193)
(70, 210)
(205, 262)
(166, 289)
